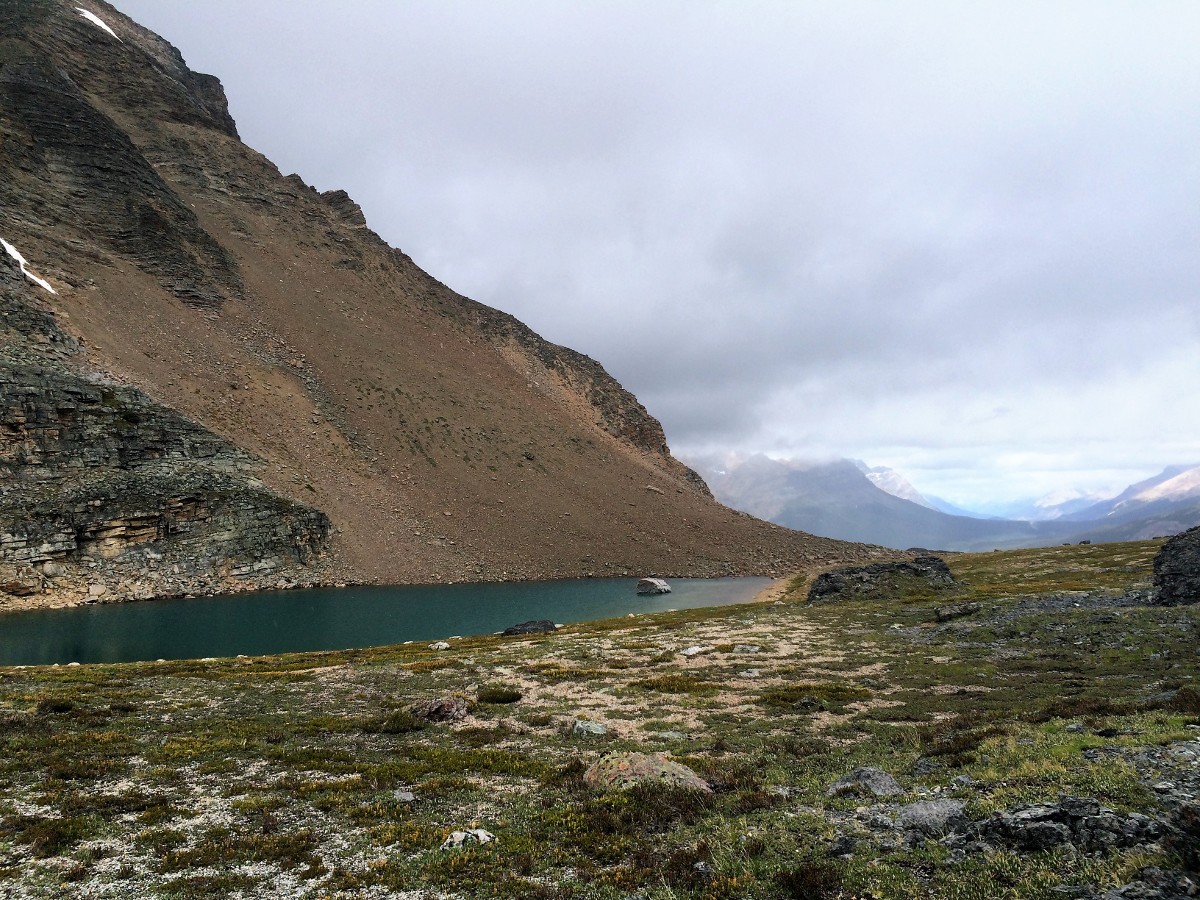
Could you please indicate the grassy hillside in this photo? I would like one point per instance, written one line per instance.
(310, 776)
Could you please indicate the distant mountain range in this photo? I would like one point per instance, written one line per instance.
(847, 499)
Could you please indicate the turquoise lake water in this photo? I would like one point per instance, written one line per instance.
(332, 618)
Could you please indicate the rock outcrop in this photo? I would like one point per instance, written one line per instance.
(107, 495)
(1177, 569)
(859, 582)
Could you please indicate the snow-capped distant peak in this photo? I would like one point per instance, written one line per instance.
(15, 254)
(96, 20)
(1064, 495)
(1185, 484)
(892, 482)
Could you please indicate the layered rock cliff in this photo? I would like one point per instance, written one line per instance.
(105, 493)
(229, 348)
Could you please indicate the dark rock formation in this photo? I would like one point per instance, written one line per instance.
(1177, 569)
(1185, 835)
(108, 494)
(860, 582)
(533, 626)
(1082, 822)
(85, 170)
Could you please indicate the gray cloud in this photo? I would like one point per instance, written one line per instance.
(959, 239)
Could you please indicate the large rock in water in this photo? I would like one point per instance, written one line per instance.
(863, 581)
(1177, 569)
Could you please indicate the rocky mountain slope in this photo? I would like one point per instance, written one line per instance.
(297, 354)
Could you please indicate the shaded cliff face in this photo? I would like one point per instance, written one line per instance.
(443, 439)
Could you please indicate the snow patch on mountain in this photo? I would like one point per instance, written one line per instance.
(1182, 486)
(96, 20)
(15, 254)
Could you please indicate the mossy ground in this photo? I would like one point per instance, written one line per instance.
(284, 776)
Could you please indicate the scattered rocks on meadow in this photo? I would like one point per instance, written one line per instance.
(866, 780)
(440, 709)
(1177, 569)
(624, 770)
(533, 626)
(859, 582)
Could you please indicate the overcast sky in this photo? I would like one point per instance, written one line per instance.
(959, 239)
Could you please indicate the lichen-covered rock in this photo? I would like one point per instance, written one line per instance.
(440, 709)
(587, 728)
(862, 581)
(624, 770)
(1177, 569)
(932, 818)
(866, 780)
(458, 839)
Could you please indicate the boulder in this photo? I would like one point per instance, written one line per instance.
(866, 780)
(949, 613)
(440, 709)
(624, 770)
(533, 626)
(862, 581)
(932, 818)
(1177, 569)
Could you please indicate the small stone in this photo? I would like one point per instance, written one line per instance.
(404, 796)
(746, 648)
(459, 839)
(439, 645)
(587, 728)
(866, 780)
(1076, 728)
(749, 673)
(1164, 787)
(692, 651)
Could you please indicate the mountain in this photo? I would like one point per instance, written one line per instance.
(839, 498)
(223, 379)
(892, 482)
(1173, 486)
